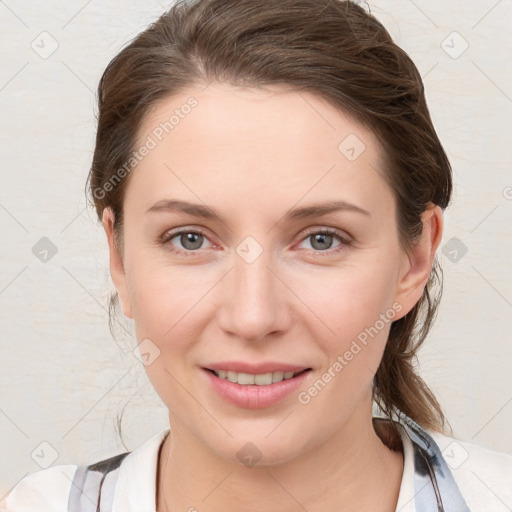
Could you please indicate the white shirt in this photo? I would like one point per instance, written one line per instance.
(484, 478)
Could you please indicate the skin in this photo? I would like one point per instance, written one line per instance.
(252, 155)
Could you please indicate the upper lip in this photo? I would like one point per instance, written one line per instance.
(255, 369)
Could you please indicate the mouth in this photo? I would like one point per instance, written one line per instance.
(255, 390)
(261, 379)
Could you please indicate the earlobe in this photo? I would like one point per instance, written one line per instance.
(418, 263)
(117, 270)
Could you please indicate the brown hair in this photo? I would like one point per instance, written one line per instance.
(332, 48)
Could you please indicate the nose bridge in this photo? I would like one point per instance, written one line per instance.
(253, 301)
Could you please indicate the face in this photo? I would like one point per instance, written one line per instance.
(253, 277)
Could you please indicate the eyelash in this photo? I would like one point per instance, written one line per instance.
(344, 241)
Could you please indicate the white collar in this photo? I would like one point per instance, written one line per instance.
(406, 496)
(136, 485)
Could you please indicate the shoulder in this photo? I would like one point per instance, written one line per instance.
(55, 488)
(44, 491)
(484, 476)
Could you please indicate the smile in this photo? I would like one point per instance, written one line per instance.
(255, 390)
(262, 379)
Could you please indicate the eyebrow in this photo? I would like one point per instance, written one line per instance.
(203, 211)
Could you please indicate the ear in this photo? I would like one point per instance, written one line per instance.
(418, 263)
(116, 262)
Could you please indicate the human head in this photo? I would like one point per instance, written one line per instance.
(331, 48)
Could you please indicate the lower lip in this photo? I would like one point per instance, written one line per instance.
(254, 396)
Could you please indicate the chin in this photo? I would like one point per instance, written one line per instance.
(257, 450)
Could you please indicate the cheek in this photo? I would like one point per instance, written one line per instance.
(352, 312)
(155, 288)
(353, 327)
(171, 306)
(347, 300)
(168, 310)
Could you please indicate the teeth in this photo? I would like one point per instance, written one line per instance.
(277, 376)
(263, 379)
(246, 378)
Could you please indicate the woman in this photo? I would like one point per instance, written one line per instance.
(272, 188)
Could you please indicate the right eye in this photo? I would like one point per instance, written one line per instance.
(190, 241)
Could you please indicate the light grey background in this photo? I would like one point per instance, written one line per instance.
(64, 378)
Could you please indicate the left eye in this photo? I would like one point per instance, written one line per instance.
(322, 240)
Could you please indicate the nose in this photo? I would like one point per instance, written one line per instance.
(255, 300)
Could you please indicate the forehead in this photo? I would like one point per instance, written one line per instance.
(256, 114)
(264, 145)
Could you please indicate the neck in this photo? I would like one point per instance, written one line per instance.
(352, 470)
